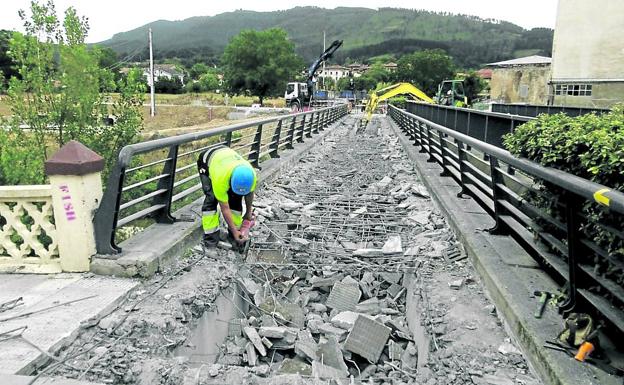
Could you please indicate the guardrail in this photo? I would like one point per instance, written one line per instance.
(534, 110)
(499, 182)
(150, 178)
(486, 126)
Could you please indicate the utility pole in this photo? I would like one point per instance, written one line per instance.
(151, 74)
(323, 60)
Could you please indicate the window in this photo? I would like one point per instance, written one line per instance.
(573, 89)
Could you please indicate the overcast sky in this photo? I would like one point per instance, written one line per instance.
(107, 17)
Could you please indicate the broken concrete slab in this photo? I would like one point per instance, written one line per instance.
(255, 339)
(330, 354)
(329, 329)
(367, 338)
(345, 320)
(272, 331)
(343, 297)
(368, 253)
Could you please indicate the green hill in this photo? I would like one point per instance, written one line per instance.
(472, 41)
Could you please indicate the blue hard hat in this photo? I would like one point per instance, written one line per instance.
(242, 179)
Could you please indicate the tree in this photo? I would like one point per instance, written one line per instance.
(58, 96)
(425, 69)
(7, 66)
(208, 82)
(197, 70)
(260, 62)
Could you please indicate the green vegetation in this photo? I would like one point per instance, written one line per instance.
(471, 41)
(260, 62)
(425, 69)
(590, 146)
(59, 94)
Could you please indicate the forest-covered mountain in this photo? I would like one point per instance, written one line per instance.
(471, 41)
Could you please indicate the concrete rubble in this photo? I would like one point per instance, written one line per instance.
(352, 277)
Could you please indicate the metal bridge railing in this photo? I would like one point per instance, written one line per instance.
(534, 110)
(151, 179)
(486, 126)
(558, 238)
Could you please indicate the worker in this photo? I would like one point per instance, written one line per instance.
(227, 179)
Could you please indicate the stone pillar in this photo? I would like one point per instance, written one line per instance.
(74, 173)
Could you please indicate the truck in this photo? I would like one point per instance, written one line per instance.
(300, 94)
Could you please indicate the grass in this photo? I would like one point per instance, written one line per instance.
(182, 116)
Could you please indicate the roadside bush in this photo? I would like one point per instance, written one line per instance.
(589, 146)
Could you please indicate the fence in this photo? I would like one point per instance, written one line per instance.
(152, 178)
(485, 126)
(534, 110)
(28, 240)
(500, 183)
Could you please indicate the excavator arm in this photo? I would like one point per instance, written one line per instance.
(393, 90)
(327, 54)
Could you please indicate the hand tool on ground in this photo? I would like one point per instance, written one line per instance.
(588, 346)
(246, 227)
(544, 297)
(599, 363)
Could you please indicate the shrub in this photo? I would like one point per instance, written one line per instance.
(589, 146)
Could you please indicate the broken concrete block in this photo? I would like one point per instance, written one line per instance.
(295, 366)
(322, 371)
(299, 243)
(368, 253)
(457, 284)
(344, 320)
(367, 338)
(267, 342)
(370, 306)
(395, 351)
(252, 358)
(272, 331)
(349, 280)
(329, 329)
(392, 245)
(306, 350)
(325, 282)
(314, 325)
(391, 277)
(330, 354)
(394, 289)
(343, 297)
(255, 339)
(318, 307)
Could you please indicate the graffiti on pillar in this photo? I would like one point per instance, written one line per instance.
(68, 206)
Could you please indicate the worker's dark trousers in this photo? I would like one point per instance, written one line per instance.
(210, 212)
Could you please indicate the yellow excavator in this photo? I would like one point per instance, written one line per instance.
(450, 92)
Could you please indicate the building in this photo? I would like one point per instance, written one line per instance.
(334, 71)
(168, 71)
(588, 54)
(523, 80)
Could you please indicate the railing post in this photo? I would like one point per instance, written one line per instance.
(255, 148)
(291, 133)
(274, 147)
(228, 139)
(421, 136)
(164, 214)
(574, 205)
(463, 169)
(308, 131)
(429, 143)
(315, 125)
(497, 196)
(106, 215)
(301, 129)
(445, 163)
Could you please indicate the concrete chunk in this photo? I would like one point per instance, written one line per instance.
(295, 366)
(343, 296)
(367, 338)
(368, 253)
(345, 320)
(272, 331)
(255, 339)
(252, 357)
(328, 329)
(392, 245)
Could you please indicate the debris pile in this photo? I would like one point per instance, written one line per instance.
(324, 324)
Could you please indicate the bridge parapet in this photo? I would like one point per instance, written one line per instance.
(558, 238)
(152, 179)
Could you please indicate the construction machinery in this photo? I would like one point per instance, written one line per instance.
(450, 93)
(299, 94)
(391, 91)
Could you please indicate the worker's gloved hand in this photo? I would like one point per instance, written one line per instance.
(246, 226)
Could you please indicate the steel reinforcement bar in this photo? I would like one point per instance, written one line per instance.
(562, 238)
(150, 178)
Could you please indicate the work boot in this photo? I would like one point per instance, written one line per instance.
(209, 241)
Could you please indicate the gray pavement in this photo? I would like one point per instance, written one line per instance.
(49, 330)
